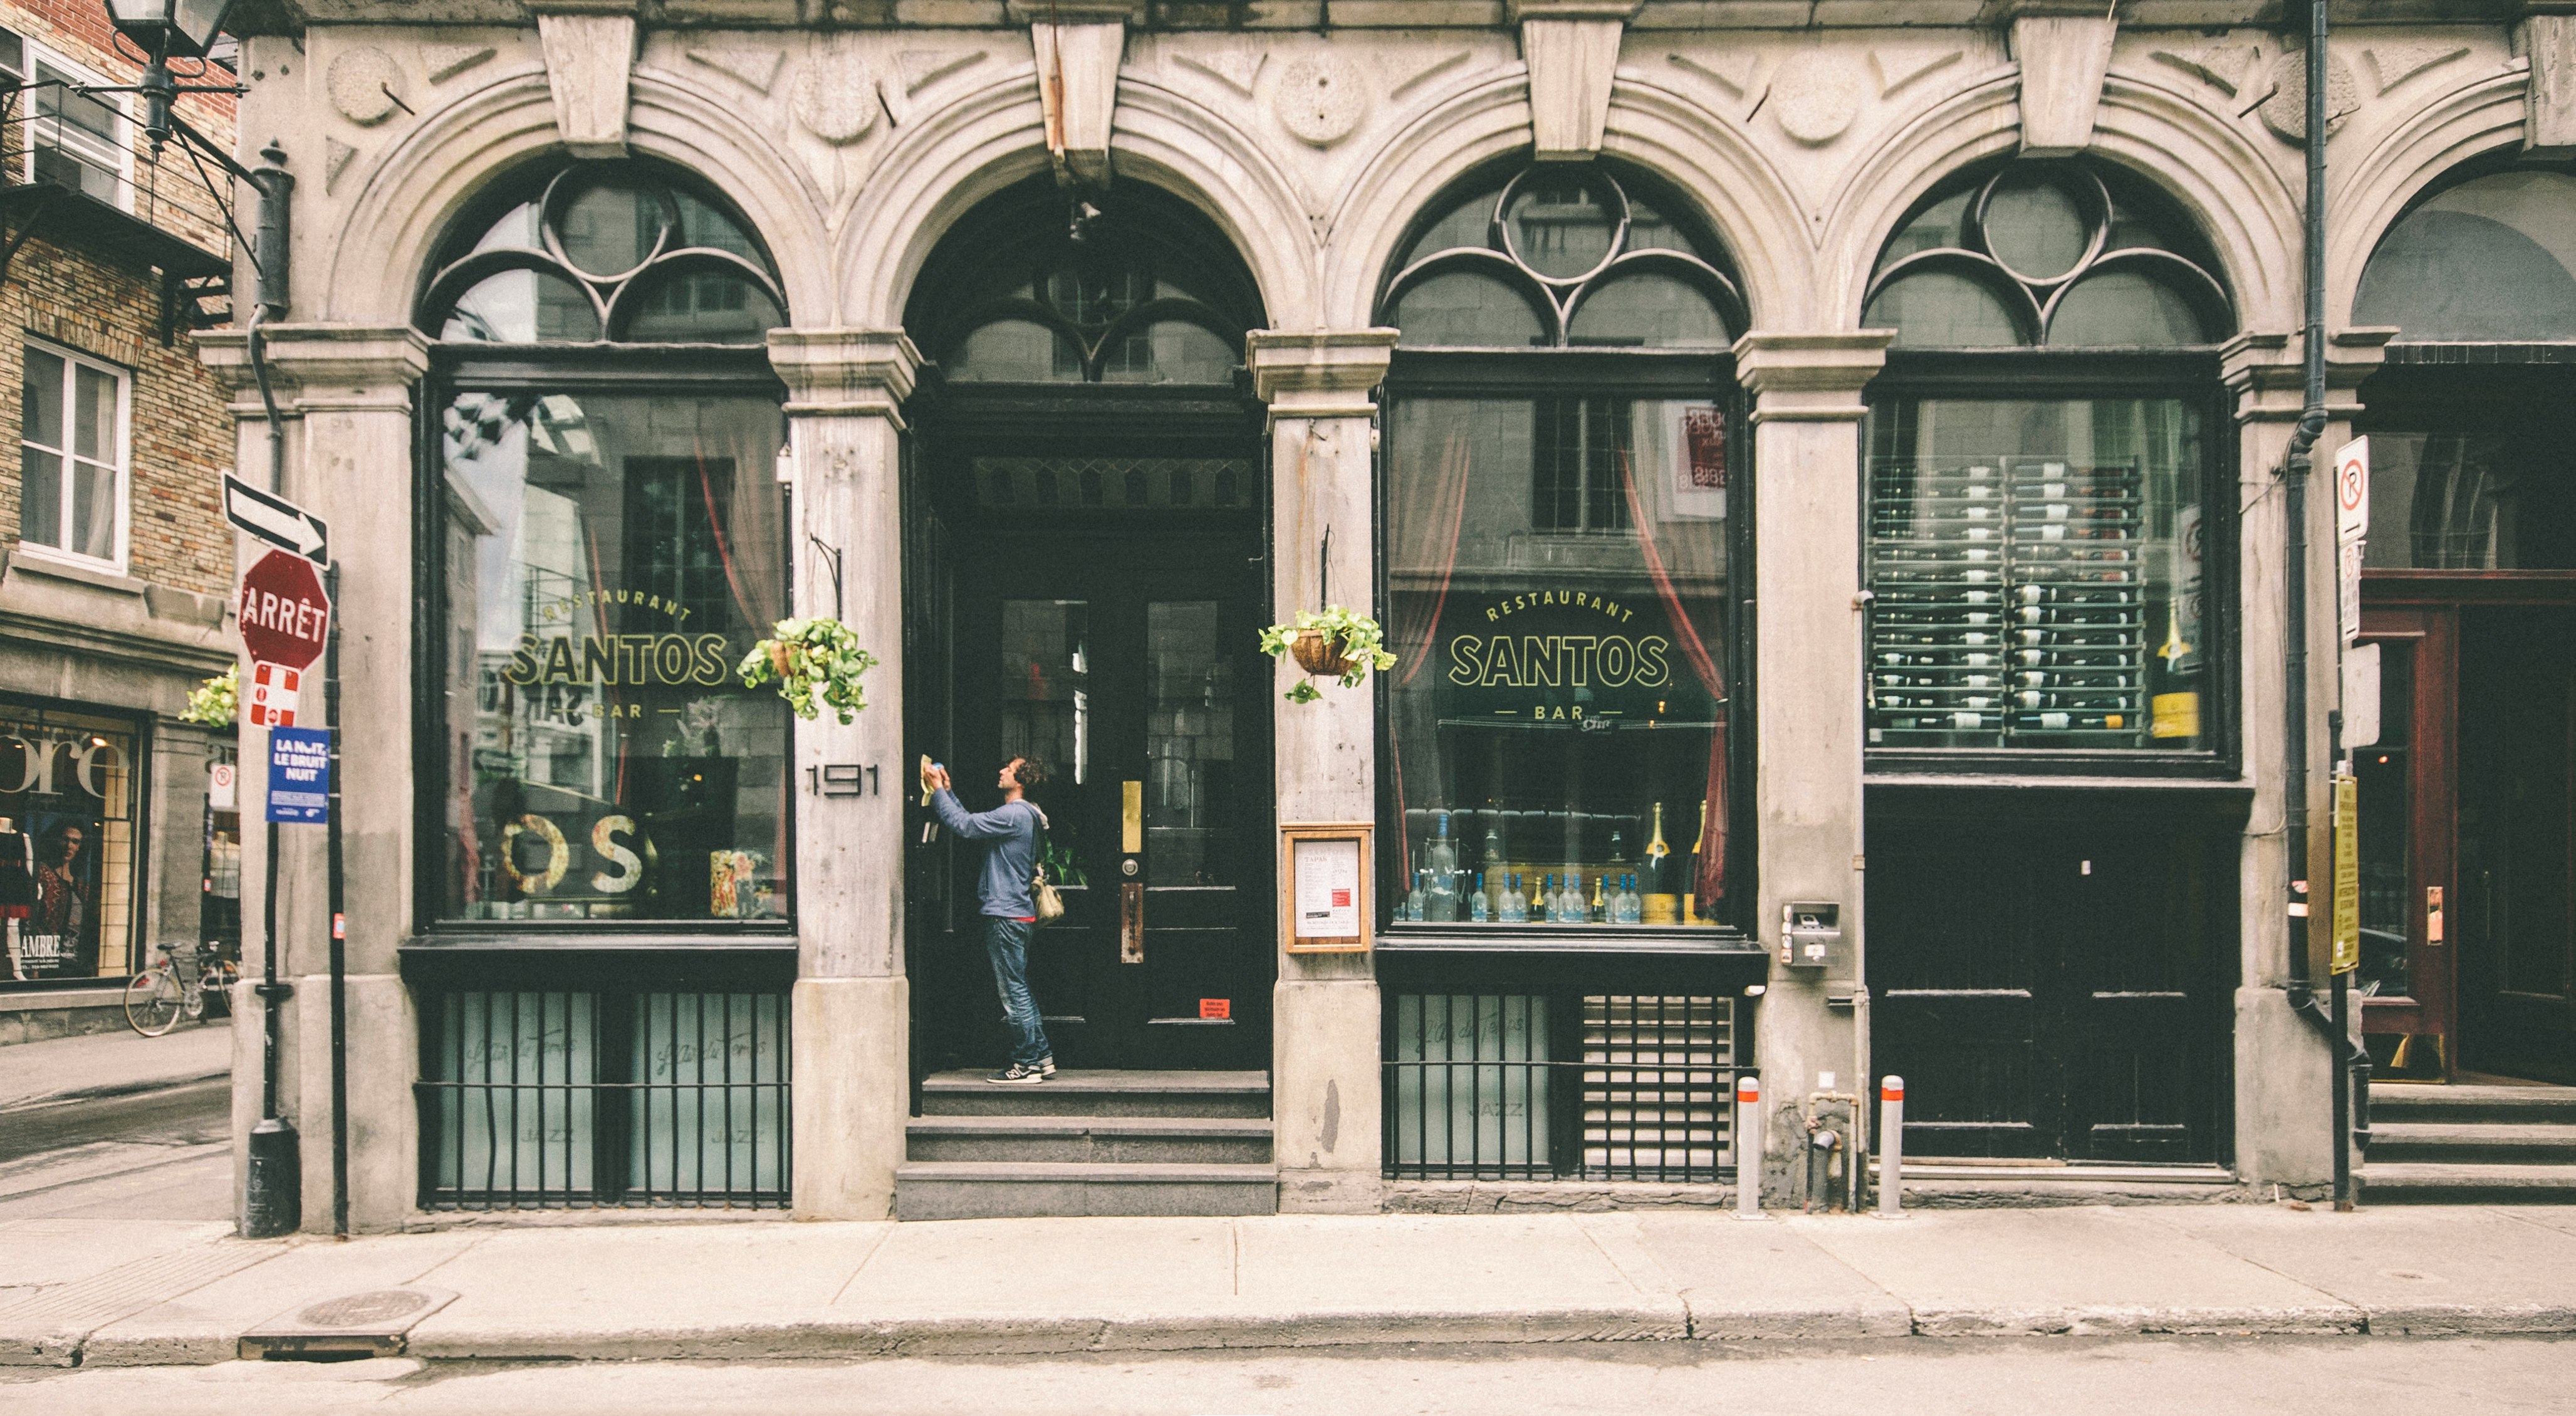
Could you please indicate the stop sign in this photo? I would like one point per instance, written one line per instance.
(285, 616)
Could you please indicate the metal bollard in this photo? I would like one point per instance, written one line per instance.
(1748, 1146)
(1891, 1147)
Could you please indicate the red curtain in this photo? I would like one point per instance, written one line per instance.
(1686, 560)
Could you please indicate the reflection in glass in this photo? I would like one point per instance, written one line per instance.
(2490, 259)
(523, 307)
(1169, 352)
(1560, 225)
(1939, 310)
(2491, 500)
(610, 228)
(1460, 309)
(2037, 572)
(1558, 696)
(608, 562)
(2118, 308)
(1016, 351)
(2035, 229)
(2386, 779)
(1649, 312)
(1190, 825)
(703, 307)
(1046, 688)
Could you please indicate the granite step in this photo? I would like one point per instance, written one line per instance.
(1023, 1189)
(2402, 1101)
(2446, 1142)
(1101, 1093)
(1180, 1140)
(2425, 1182)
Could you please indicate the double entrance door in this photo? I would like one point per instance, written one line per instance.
(2052, 989)
(1103, 615)
(2468, 828)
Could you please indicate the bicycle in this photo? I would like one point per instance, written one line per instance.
(177, 985)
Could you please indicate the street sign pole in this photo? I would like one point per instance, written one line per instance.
(339, 927)
(273, 1183)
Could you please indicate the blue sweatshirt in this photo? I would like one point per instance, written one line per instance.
(1012, 858)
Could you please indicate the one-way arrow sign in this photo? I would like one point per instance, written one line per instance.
(274, 519)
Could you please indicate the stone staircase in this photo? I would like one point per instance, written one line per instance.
(2471, 1144)
(1090, 1143)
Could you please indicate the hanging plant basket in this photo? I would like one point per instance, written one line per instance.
(1334, 644)
(215, 702)
(816, 664)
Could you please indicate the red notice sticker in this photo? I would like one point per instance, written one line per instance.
(1216, 1008)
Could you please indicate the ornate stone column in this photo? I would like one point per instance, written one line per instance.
(1807, 699)
(1324, 1073)
(851, 1035)
(2283, 1080)
(348, 391)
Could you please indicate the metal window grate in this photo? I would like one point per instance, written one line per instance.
(573, 1100)
(1534, 1087)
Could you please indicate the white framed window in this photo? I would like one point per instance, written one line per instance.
(73, 456)
(73, 139)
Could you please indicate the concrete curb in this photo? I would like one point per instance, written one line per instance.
(826, 1336)
(12, 1105)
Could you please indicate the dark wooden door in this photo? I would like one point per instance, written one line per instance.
(2408, 798)
(2047, 989)
(2517, 841)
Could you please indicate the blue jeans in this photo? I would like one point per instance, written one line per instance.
(1007, 942)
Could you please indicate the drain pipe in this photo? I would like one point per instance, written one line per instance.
(2294, 486)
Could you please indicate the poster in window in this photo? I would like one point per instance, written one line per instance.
(1696, 470)
(66, 845)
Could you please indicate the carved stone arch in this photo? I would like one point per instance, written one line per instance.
(993, 138)
(418, 188)
(2470, 122)
(2240, 203)
(1729, 185)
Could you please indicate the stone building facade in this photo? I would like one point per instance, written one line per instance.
(119, 564)
(1869, 416)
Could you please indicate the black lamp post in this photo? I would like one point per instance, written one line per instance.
(166, 30)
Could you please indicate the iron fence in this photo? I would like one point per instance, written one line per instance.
(577, 1099)
(1560, 1087)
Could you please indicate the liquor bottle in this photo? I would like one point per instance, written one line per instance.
(1605, 900)
(1632, 905)
(1441, 859)
(1479, 909)
(1413, 903)
(1569, 900)
(1543, 904)
(1493, 859)
(1515, 904)
(1660, 902)
(1690, 886)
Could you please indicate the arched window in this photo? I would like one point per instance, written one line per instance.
(2468, 462)
(2061, 255)
(2047, 521)
(605, 532)
(1560, 516)
(1561, 257)
(1132, 289)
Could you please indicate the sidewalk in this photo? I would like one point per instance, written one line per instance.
(135, 1292)
(110, 1064)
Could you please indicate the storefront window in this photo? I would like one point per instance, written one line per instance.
(611, 560)
(607, 558)
(68, 858)
(2036, 572)
(1556, 563)
(2038, 563)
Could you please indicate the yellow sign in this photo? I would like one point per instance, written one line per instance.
(2347, 875)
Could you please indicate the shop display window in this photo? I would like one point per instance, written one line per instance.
(608, 556)
(68, 850)
(2045, 519)
(1558, 531)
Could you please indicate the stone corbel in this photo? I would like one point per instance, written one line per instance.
(2549, 115)
(1572, 50)
(590, 62)
(317, 367)
(2269, 377)
(1078, 90)
(2064, 59)
(858, 373)
(1319, 373)
(1810, 378)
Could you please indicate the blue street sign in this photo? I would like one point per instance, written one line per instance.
(299, 775)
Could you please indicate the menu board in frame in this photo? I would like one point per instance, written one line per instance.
(1324, 897)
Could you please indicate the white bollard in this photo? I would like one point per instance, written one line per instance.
(1748, 1146)
(1891, 1147)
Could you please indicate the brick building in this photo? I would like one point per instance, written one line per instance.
(115, 562)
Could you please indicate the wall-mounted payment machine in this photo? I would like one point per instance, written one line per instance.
(1811, 935)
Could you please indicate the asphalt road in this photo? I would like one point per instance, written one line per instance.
(1920, 1377)
(162, 1154)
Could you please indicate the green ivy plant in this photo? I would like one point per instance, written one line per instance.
(216, 702)
(811, 659)
(1361, 643)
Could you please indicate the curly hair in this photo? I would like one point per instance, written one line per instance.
(1030, 774)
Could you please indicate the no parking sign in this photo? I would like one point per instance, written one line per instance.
(2352, 490)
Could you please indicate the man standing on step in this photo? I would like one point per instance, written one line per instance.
(1010, 833)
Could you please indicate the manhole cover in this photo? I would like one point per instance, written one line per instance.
(365, 1309)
